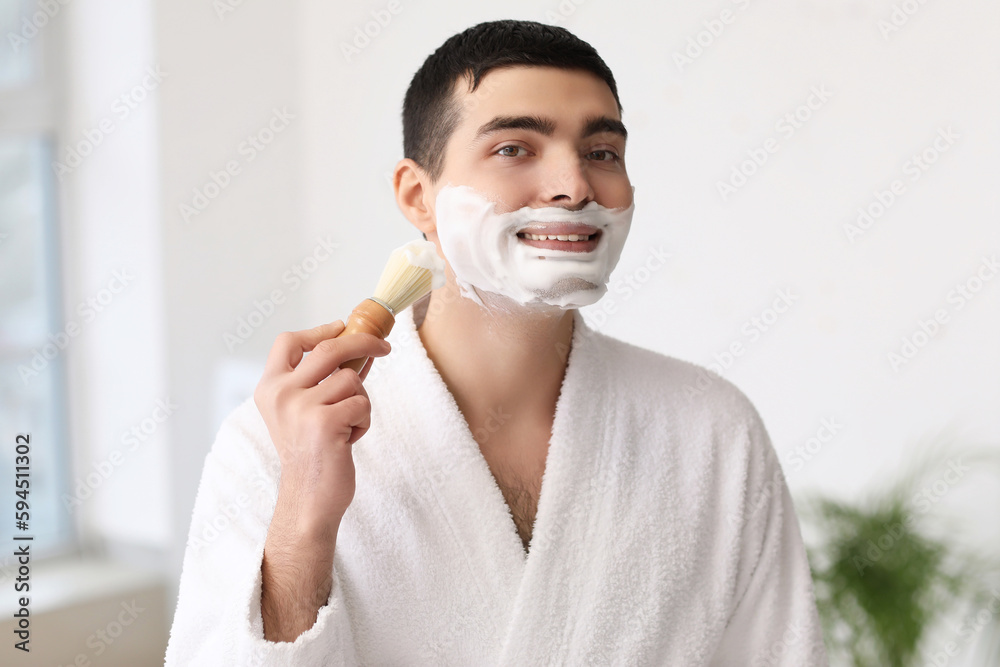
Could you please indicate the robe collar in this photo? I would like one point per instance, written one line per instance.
(455, 477)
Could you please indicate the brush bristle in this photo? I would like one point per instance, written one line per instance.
(402, 283)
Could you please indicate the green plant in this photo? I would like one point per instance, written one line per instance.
(882, 578)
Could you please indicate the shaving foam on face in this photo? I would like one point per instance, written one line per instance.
(485, 252)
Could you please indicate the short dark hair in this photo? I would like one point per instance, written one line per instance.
(430, 111)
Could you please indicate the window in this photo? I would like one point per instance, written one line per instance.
(33, 339)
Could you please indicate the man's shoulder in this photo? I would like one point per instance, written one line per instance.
(647, 375)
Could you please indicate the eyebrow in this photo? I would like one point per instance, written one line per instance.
(547, 126)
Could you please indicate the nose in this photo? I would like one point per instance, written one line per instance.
(566, 181)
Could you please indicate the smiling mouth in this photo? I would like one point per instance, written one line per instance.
(565, 242)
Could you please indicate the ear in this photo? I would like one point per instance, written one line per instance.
(413, 190)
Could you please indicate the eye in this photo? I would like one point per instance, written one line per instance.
(610, 156)
(500, 151)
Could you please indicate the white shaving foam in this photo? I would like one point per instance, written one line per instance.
(425, 255)
(484, 251)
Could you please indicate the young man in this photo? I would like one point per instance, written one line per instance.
(412, 525)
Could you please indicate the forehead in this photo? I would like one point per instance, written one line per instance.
(567, 96)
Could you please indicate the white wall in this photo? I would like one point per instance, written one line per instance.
(113, 257)
(231, 73)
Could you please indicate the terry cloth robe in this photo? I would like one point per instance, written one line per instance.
(664, 534)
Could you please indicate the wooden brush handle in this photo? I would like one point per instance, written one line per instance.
(368, 317)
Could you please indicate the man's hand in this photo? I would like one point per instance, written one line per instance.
(314, 413)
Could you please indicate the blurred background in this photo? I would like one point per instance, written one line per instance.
(816, 220)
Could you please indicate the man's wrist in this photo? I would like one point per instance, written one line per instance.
(303, 522)
(296, 580)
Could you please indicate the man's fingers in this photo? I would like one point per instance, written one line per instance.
(328, 355)
(356, 434)
(357, 412)
(342, 384)
(289, 347)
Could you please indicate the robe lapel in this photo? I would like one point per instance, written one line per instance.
(531, 597)
(481, 543)
(551, 592)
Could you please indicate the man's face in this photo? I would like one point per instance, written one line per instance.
(560, 166)
(538, 151)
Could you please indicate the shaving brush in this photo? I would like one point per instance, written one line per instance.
(413, 270)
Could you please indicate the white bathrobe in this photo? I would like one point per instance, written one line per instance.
(665, 534)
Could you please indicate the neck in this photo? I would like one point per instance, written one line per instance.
(505, 356)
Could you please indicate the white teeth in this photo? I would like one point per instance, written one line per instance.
(558, 237)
